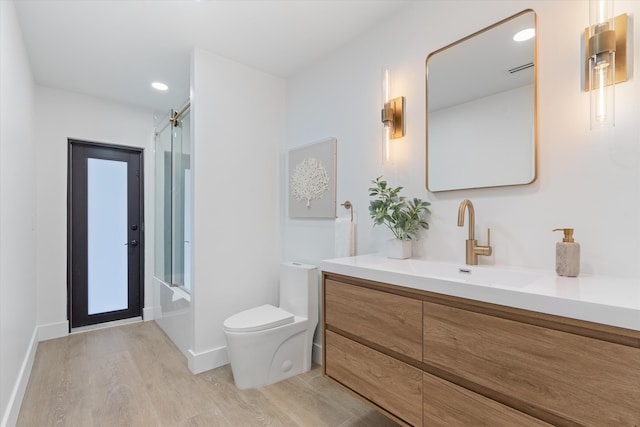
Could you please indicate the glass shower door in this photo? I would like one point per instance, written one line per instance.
(182, 206)
(173, 201)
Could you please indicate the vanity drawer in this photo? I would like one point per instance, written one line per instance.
(566, 378)
(388, 320)
(448, 405)
(390, 384)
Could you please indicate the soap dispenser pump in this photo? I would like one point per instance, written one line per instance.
(567, 254)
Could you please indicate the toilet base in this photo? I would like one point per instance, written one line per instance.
(260, 360)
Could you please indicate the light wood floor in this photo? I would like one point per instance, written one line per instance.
(133, 375)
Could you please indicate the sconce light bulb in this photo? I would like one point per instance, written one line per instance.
(386, 117)
(385, 85)
(601, 77)
(602, 69)
(600, 11)
(386, 145)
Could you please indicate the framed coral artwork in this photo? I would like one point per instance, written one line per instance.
(312, 180)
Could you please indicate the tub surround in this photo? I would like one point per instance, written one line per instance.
(438, 344)
(613, 301)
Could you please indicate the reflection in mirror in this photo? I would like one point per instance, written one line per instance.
(481, 126)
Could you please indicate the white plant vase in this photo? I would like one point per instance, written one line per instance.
(399, 249)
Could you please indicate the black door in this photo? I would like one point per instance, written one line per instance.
(105, 242)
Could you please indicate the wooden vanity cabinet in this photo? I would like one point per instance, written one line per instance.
(434, 360)
(564, 377)
(448, 405)
(381, 318)
(388, 383)
(371, 337)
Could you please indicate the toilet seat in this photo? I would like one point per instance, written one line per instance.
(258, 319)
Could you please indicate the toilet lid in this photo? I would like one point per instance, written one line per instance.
(258, 319)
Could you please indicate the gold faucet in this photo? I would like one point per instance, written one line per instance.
(473, 249)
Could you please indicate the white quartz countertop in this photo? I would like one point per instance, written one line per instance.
(608, 300)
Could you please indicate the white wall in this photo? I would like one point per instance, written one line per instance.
(586, 180)
(238, 136)
(17, 217)
(61, 115)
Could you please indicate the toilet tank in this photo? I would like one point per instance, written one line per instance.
(299, 289)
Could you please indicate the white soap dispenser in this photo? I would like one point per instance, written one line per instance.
(567, 254)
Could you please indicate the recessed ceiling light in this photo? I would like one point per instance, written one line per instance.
(524, 35)
(159, 86)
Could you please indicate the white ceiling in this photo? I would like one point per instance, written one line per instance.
(115, 48)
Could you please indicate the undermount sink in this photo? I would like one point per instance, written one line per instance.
(472, 274)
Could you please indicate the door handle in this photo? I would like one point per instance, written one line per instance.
(133, 243)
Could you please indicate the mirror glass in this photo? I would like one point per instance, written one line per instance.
(481, 115)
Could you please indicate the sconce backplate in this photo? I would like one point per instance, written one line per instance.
(398, 117)
(620, 24)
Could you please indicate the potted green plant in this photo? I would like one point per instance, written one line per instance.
(404, 217)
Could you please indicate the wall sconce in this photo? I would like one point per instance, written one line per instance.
(392, 118)
(605, 60)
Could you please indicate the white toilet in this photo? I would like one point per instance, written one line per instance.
(268, 344)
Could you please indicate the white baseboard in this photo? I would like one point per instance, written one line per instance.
(211, 359)
(10, 417)
(316, 353)
(206, 360)
(53, 330)
(148, 313)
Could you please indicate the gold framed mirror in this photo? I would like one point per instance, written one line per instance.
(481, 109)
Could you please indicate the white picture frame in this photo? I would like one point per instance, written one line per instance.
(311, 180)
